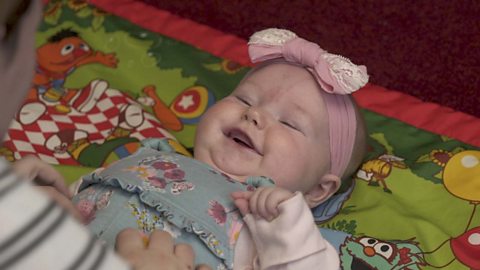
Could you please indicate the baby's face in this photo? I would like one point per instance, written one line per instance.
(273, 124)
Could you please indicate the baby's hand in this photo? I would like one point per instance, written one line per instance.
(41, 173)
(262, 202)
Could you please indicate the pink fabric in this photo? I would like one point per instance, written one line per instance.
(341, 112)
(342, 129)
(291, 241)
(301, 51)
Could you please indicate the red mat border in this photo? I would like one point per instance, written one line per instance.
(188, 31)
(428, 116)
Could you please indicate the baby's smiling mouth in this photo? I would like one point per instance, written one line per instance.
(242, 139)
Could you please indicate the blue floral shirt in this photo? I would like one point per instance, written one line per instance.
(158, 189)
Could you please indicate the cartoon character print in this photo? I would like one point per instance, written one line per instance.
(56, 60)
(436, 159)
(75, 129)
(466, 248)
(90, 202)
(460, 175)
(377, 170)
(371, 253)
(158, 172)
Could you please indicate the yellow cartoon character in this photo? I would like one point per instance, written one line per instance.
(375, 171)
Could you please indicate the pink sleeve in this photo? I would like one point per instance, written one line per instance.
(292, 240)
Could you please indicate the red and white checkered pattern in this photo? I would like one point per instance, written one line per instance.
(98, 123)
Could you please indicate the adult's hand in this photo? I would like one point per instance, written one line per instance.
(48, 180)
(41, 173)
(159, 252)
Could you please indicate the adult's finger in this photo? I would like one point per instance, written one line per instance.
(185, 254)
(161, 241)
(48, 176)
(203, 267)
(63, 201)
(128, 241)
(41, 173)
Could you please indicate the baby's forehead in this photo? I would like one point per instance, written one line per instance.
(280, 79)
(280, 68)
(291, 88)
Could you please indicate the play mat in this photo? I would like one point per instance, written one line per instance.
(413, 204)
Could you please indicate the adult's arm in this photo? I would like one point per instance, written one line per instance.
(36, 233)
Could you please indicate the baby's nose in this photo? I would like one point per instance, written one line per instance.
(253, 116)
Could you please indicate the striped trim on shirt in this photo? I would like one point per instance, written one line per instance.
(35, 233)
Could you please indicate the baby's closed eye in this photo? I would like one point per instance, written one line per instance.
(243, 100)
(291, 125)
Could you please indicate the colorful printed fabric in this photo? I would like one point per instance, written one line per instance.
(417, 190)
(154, 189)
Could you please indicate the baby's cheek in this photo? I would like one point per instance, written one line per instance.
(284, 172)
(301, 166)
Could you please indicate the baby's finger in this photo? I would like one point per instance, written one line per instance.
(261, 203)
(185, 254)
(241, 195)
(242, 205)
(275, 198)
(253, 202)
(161, 241)
(128, 241)
(272, 205)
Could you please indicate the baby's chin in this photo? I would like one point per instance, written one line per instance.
(239, 178)
(231, 170)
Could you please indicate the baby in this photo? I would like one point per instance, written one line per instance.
(277, 146)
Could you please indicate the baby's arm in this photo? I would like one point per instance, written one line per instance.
(290, 240)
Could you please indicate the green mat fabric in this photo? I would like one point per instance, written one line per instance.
(416, 195)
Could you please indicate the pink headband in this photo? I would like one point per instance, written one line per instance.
(337, 75)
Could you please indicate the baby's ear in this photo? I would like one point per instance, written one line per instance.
(326, 187)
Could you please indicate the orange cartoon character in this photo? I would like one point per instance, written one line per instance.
(59, 57)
